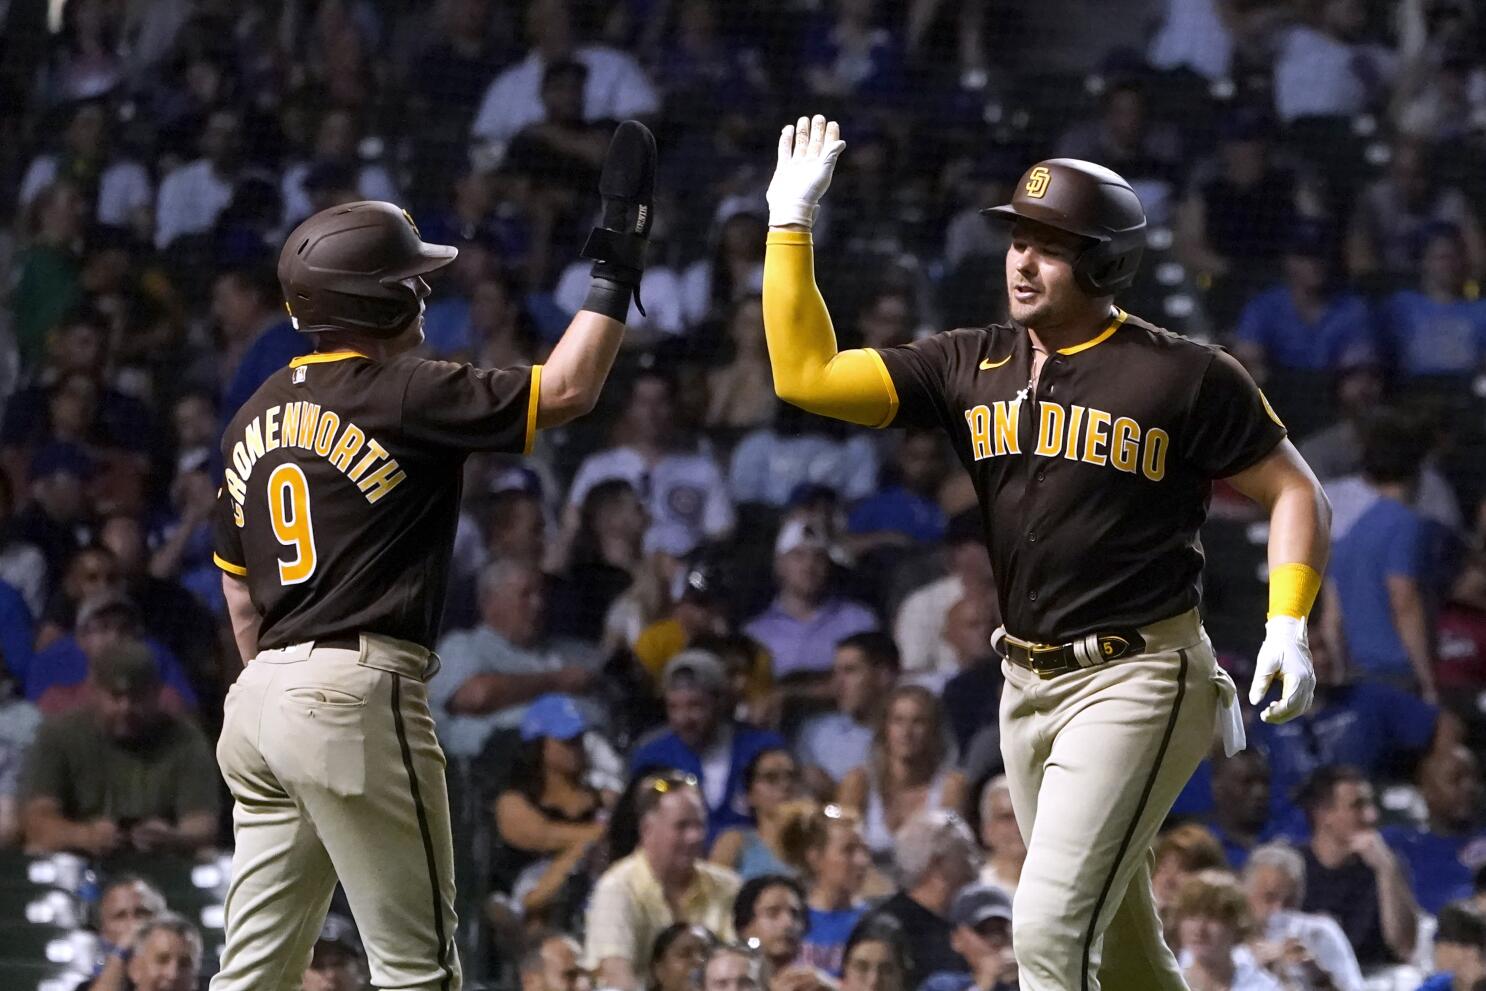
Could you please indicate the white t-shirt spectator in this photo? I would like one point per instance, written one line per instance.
(1317, 75)
(684, 488)
(767, 467)
(1193, 36)
(372, 183)
(617, 88)
(1325, 941)
(191, 199)
(919, 626)
(696, 288)
(660, 291)
(123, 188)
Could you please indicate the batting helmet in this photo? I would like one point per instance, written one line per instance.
(353, 267)
(1091, 201)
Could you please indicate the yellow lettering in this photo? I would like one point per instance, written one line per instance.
(1125, 448)
(241, 461)
(978, 419)
(271, 428)
(309, 418)
(1096, 438)
(350, 443)
(373, 452)
(253, 437)
(289, 428)
(1008, 415)
(1075, 420)
(386, 478)
(1050, 431)
(237, 515)
(329, 423)
(1156, 443)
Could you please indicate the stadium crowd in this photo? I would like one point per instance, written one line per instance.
(717, 689)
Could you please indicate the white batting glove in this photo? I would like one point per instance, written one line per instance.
(808, 150)
(1285, 653)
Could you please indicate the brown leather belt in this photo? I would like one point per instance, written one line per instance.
(1048, 660)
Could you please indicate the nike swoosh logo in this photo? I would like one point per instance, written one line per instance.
(987, 364)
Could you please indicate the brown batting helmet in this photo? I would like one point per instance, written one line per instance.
(1093, 202)
(355, 266)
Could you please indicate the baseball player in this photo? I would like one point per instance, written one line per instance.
(1092, 438)
(335, 528)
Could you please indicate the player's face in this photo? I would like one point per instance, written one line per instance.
(164, 962)
(1039, 275)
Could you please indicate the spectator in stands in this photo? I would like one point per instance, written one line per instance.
(337, 141)
(1000, 837)
(550, 813)
(771, 787)
(337, 962)
(22, 565)
(1443, 99)
(89, 573)
(853, 55)
(772, 463)
(19, 721)
(705, 68)
(972, 697)
(561, 154)
(700, 611)
(192, 196)
(704, 740)
(605, 555)
(121, 773)
(1459, 950)
(732, 968)
(936, 858)
(1383, 568)
(919, 626)
(1335, 451)
(1437, 329)
(1394, 214)
(125, 903)
(665, 880)
(553, 962)
(1274, 881)
(909, 774)
(493, 672)
(712, 286)
(1179, 854)
(58, 681)
(616, 87)
(647, 606)
(46, 271)
(769, 913)
(1212, 922)
(1364, 724)
(1125, 138)
(677, 957)
(1444, 854)
(515, 527)
(677, 484)
(1461, 630)
(832, 744)
(1351, 874)
(260, 339)
(805, 622)
(1308, 323)
(877, 957)
(166, 956)
(982, 919)
(740, 393)
(827, 847)
(1241, 804)
(1325, 69)
(58, 508)
(123, 194)
(905, 510)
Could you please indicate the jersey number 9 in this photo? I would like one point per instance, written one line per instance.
(289, 509)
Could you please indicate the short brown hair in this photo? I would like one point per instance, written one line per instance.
(1214, 894)
(1194, 846)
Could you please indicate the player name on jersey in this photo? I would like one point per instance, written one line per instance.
(1075, 433)
(308, 427)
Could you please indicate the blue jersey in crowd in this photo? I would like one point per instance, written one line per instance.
(667, 751)
(825, 937)
(901, 511)
(1342, 335)
(1427, 337)
(1390, 539)
(1442, 867)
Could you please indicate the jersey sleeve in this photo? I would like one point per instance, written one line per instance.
(923, 375)
(1230, 426)
(227, 543)
(466, 408)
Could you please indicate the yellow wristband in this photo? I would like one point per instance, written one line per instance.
(1292, 590)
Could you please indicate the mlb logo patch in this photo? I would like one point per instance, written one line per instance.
(299, 375)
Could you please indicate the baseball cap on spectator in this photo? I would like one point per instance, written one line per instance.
(695, 669)
(798, 534)
(60, 458)
(553, 715)
(125, 667)
(106, 604)
(979, 903)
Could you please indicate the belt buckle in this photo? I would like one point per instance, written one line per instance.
(1033, 650)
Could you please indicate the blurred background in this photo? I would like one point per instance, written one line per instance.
(1312, 172)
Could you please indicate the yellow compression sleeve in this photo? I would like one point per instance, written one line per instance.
(1293, 589)
(808, 370)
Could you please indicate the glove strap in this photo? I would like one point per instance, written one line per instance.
(618, 258)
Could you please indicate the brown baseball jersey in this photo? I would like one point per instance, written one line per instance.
(342, 486)
(1093, 485)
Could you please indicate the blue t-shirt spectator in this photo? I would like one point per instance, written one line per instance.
(17, 633)
(270, 351)
(446, 326)
(64, 663)
(1428, 337)
(1364, 724)
(1391, 539)
(825, 937)
(668, 751)
(1342, 335)
(1441, 867)
(899, 510)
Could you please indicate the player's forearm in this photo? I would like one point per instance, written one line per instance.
(243, 614)
(1300, 527)
(575, 372)
(809, 371)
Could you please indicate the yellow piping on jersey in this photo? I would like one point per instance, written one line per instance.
(1104, 335)
(532, 401)
(321, 357)
(229, 567)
